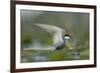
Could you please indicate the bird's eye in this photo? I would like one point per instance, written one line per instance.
(67, 35)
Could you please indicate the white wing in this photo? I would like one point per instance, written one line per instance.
(58, 33)
(49, 28)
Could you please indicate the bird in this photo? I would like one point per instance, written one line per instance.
(60, 39)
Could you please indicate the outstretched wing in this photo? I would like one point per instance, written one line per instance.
(49, 28)
(57, 32)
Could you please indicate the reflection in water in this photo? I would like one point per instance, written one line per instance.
(38, 58)
(36, 45)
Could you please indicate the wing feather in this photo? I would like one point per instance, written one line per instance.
(49, 28)
(58, 33)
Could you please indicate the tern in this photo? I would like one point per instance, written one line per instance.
(60, 39)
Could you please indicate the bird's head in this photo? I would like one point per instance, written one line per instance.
(67, 37)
